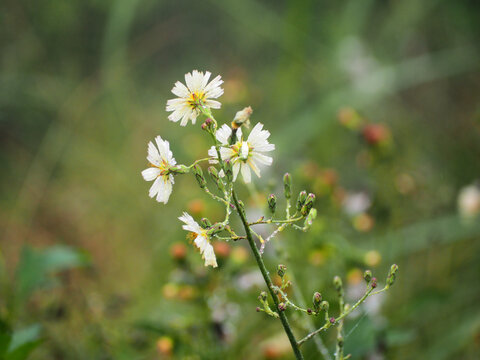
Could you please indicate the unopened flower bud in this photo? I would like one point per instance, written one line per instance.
(205, 223)
(282, 307)
(228, 170)
(197, 170)
(301, 199)
(213, 172)
(281, 269)
(367, 276)
(310, 217)
(242, 117)
(308, 204)
(258, 309)
(324, 305)
(309, 311)
(208, 125)
(317, 299)
(337, 282)
(392, 275)
(215, 229)
(340, 341)
(263, 296)
(373, 283)
(272, 203)
(287, 185)
(332, 320)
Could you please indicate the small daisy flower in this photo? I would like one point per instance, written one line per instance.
(160, 160)
(197, 92)
(200, 239)
(244, 155)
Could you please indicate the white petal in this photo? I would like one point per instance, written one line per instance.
(201, 242)
(223, 134)
(263, 159)
(213, 104)
(246, 173)
(180, 90)
(190, 224)
(155, 186)
(235, 170)
(254, 166)
(151, 173)
(153, 155)
(209, 256)
(244, 150)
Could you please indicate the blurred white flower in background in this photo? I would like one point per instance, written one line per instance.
(356, 203)
(469, 201)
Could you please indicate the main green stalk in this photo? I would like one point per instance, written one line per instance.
(268, 281)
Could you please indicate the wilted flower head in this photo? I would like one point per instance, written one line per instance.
(197, 92)
(200, 239)
(160, 160)
(244, 154)
(242, 117)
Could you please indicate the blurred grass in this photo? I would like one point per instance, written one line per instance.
(83, 86)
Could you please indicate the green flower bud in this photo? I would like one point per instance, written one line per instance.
(212, 171)
(367, 276)
(215, 229)
(308, 204)
(287, 185)
(228, 170)
(197, 170)
(317, 299)
(310, 217)
(272, 203)
(263, 296)
(337, 282)
(282, 307)
(281, 269)
(324, 305)
(392, 275)
(302, 197)
(205, 223)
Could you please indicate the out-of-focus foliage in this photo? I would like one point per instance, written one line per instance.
(83, 87)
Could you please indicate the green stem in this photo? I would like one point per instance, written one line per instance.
(268, 281)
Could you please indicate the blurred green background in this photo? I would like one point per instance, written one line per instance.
(372, 105)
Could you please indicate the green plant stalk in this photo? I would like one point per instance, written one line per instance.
(268, 281)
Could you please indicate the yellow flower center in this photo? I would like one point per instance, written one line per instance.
(196, 98)
(163, 168)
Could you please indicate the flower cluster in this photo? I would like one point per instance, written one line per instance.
(231, 154)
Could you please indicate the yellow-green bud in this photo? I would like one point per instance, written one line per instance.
(263, 296)
(287, 185)
(392, 275)
(272, 203)
(212, 171)
(302, 197)
(228, 170)
(324, 305)
(281, 269)
(317, 299)
(308, 204)
(337, 282)
(197, 170)
(310, 217)
(205, 223)
(367, 276)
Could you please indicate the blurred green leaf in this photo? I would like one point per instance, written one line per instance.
(37, 265)
(5, 338)
(24, 342)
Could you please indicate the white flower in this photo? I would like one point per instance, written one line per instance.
(244, 155)
(469, 201)
(197, 92)
(160, 160)
(200, 239)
